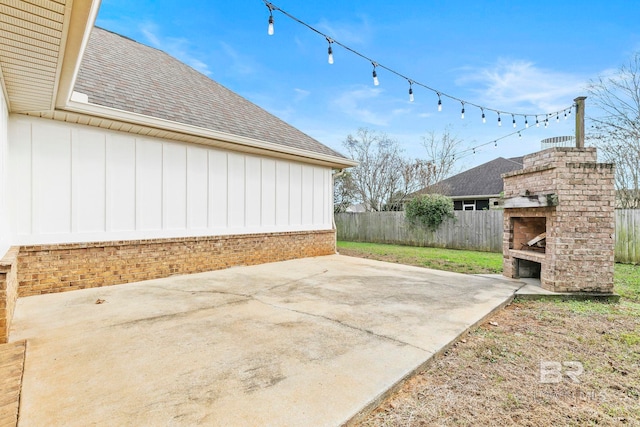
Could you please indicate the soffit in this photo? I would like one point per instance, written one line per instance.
(32, 39)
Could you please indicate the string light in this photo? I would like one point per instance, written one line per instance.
(411, 91)
(271, 7)
(519, 135)
(413, 82)
(565, 114)
(484, 118)
(330, 60)
(537, 122)
(557, 118)
(495, 145)
(514, 120)
(546, 121)
(376, 82)
(462, 112)
(526, 123)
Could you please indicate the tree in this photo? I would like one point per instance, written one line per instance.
(441, 152)
(383, 178)
(616, 131)
(343, 192)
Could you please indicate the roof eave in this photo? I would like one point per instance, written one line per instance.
(109, 113)
(473, 197)
(83, 18)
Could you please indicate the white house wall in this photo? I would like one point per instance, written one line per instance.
(75, 183)
(5, 239)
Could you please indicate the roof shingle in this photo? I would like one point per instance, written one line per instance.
(482, 180)
(120, 73)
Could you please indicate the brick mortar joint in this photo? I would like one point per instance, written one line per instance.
(164, 241)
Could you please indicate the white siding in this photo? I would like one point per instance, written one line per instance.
(74, 183)
(5, 239)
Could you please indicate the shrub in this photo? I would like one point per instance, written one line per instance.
(429, 210)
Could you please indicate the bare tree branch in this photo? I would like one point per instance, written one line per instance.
(616, 131)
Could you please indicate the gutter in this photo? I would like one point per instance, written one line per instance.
(167, 125)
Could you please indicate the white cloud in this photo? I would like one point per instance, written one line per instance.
(347, 33)
(301, 94)
(239, 63)
(177, 47)
(356, 104)
(521, 84)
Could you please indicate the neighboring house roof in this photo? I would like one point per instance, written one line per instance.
(483, 180)
(120, 73)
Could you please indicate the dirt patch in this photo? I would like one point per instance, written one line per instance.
(493, 375)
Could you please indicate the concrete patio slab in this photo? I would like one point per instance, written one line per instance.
(304, 342)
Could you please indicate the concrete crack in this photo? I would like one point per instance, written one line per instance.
(346, 325)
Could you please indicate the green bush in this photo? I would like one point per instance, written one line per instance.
(429, 210)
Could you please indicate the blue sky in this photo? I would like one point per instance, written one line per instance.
(526, 57)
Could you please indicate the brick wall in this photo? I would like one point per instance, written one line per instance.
(57, 268)
(8, 291)
(579, 253)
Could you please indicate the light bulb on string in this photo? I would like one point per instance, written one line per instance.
(519, 135)
(376, 82)
(270, 30)
(566, 112)
(495, 145)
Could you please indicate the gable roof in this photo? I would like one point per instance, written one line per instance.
(483, 180)
(120, 73)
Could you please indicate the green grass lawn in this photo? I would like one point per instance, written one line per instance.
(468, 262)
(491, 376)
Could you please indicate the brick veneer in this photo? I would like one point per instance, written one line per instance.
(8, 291)
(579, 253)
(64, 267)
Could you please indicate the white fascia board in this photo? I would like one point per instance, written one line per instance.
(153, 122)
(480, 196)
(81, 22)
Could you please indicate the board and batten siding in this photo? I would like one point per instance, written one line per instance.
(5, 240)
(75, 183)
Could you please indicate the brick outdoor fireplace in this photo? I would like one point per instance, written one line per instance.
(559, 221)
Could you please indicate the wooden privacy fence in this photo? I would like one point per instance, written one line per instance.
(628, 236)
(472, 230)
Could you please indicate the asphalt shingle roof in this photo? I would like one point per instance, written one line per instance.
(121, 73)
(482, 180)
